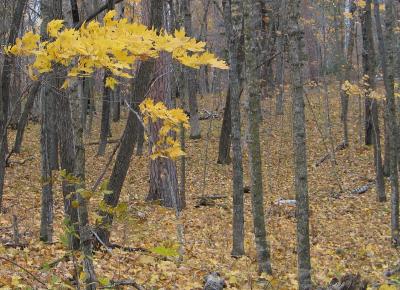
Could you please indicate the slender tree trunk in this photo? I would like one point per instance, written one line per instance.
(224, 156)
(371, 109)
(105, 117)
(8, 63)
(253, 34)
(78, 166)
(296, 59)
(23, 120)
(387, 48)
(368, 57)
(344, 98)
(47, 214)
(132, 129)
(190, 78)
(234, 30)
(117, 105)
(67, 162)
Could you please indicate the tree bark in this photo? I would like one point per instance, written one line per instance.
(190, 78)
(296, 59)
(387, 48)
(8, 63)
(253, 35)
(224, 156)
(234, 30)
(23, 120)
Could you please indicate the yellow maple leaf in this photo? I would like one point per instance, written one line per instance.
(111, 83)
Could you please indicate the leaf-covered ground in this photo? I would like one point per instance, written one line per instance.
(349, 233)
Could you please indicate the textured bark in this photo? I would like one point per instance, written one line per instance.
(8, 63)
(372, 133)
(105, 117)
(117, 105)
(190, 78)
(163, 175)
(233, 24)
(23, 120)
(296, 59)
(67, 163)
(368, 59)
(76, 126)
(47, 215)
(253, 35)
(280, 66)
(344, 98)
(128, 140)
(387, 48)
(224, 156)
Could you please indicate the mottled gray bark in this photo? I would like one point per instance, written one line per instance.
(387, 48)
(233, 24)
(372, 133)
(253, 35)
(67, 163)
(190, 78)
(344, 98)
(47, 214)
(296, 60)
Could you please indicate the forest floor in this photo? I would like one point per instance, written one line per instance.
(349, 233)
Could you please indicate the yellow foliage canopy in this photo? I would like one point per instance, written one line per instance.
(115, 45)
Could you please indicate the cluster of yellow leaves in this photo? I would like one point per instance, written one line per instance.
(171, 121)
(115, 45)
(353, 90)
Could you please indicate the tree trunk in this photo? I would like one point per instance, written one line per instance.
(23, 120)
(368, 59)
(234, 30)
(47, 215)
(372, 133)
(387, 51)
(67, 162)
(5, 91)
(105, 117)
(296, 59)
(344, 98)
(224, 156)
(190, 78)
(140, 87)
(253, 34)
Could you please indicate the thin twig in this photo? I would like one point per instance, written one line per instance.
(24, 269)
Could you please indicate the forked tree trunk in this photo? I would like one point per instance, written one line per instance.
(296, 59)
(253, 34)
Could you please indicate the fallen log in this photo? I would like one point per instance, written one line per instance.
(347, 282)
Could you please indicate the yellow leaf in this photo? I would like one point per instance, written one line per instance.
(111, 83)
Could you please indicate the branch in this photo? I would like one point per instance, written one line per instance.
(96, 13)
(24, 269)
